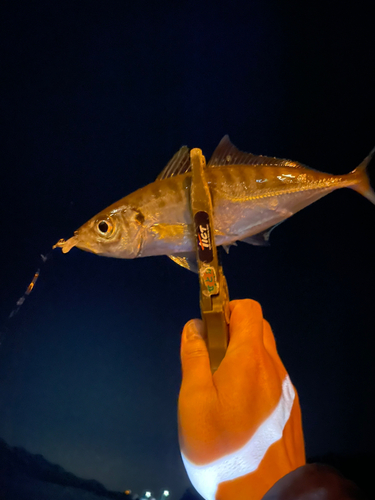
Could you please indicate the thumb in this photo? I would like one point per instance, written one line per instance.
(195, 360)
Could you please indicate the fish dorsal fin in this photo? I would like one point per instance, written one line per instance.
(227, 154)
(178, 164)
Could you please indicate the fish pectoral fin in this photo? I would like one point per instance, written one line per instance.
(262, 238)
(169, 231)
(177, 165)
(187, 260)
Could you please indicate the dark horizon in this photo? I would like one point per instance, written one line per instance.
(24, 475)
(95, 100)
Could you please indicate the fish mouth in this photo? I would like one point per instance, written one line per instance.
(66, 245)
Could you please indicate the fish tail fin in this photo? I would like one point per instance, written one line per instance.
(363, 173)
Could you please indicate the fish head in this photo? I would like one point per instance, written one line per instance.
(114, 232)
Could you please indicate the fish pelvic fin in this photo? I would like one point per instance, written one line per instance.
(187, 260)
(363, 172)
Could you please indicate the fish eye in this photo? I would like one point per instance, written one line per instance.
(105, 227)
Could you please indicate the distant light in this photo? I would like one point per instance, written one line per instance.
(127, 492)
(166, 493)
(148, 494)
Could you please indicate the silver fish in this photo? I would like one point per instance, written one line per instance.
(250, 196)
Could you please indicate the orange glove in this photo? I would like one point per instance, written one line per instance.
(240, 429)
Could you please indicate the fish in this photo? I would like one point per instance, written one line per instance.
(251, 195)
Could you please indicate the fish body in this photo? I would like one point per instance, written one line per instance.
(250, 194)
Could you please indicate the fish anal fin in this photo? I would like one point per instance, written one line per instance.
(187, 260)
(262, 238)
(227, 247)
(257, 240)
(177, 165)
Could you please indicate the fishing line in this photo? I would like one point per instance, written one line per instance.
(4, 329)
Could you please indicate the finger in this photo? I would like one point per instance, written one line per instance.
(246, 325)
(270, 345)
(235, 303)
(268, 338)
(196, 371)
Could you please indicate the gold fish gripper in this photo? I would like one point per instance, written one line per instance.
(214, 296)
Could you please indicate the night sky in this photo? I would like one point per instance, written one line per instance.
(96, 97)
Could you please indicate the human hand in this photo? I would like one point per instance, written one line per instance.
(240, 429)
